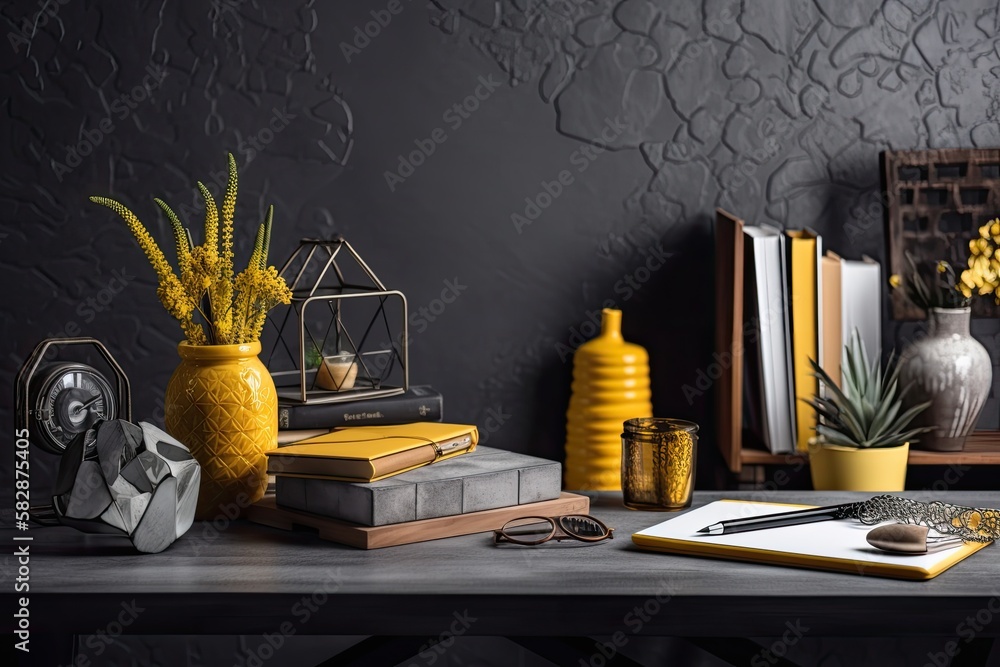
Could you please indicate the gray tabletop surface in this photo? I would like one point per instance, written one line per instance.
(247, 576)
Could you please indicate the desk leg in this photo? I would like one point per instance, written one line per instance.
(738, 651)
(572, 651)
(376, 652)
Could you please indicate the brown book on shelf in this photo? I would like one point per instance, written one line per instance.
(833, 343)
(729, 326)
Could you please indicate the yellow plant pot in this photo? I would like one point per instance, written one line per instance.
(836, 468)
(610, 385)
(221, 403)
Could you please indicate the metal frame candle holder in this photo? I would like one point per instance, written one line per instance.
(317, 273)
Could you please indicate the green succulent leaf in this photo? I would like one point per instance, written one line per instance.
(866, 408)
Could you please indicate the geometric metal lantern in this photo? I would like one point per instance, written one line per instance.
(344, 336)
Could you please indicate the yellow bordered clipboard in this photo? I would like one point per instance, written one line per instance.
(838, 546)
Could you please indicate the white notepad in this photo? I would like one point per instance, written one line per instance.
(825, 545)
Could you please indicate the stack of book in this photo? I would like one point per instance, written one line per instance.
(298, 421)
(799, 304)
(375, 486)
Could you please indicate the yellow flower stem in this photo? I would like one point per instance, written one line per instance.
(267, 236)
(206, 278)
(180, 238)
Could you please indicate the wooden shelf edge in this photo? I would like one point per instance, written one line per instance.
(981, 448)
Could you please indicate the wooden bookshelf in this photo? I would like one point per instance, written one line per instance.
(738, 451)
(982, 448)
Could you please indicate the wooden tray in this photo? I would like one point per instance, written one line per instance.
(266, 512)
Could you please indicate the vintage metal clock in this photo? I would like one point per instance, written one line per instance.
(57, 401)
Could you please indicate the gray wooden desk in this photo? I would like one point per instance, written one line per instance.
(248, 579)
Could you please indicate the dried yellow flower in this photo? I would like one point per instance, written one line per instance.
(205, 285)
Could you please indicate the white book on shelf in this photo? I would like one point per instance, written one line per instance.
(851, 295)
(861, 302)
(767, 292)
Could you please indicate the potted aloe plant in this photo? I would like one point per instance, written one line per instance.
(863, 431)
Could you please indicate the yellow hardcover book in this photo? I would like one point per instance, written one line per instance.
(838, 546)
(371, 453)
(803, 262)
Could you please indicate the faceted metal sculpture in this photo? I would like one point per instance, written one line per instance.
(128, 479)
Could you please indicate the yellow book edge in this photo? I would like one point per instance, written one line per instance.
(804, 307)
(809, 561)
(359, 480)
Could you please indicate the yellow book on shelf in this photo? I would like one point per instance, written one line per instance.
(827, 545)
(371, 453)
(804, 254)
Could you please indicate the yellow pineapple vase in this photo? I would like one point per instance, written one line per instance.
(610, 385)
(221, 403)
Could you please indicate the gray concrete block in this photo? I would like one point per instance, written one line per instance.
(439, 498)
(392, 503)
(538, 479)
(489, 490)
(537, 483)
(486, 478)
(374, 504)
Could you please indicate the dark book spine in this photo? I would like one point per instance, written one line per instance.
(419, 404)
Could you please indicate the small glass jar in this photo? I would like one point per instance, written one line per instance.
(658, 463)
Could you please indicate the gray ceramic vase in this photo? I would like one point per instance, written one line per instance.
(953, 371)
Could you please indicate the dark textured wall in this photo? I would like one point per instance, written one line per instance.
(591, 140)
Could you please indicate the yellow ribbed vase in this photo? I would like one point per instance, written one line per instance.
(610, 385)
(221, 403)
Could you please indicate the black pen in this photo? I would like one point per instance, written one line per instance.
(780, 519)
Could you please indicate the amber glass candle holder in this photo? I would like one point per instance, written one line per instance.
(658, 463)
